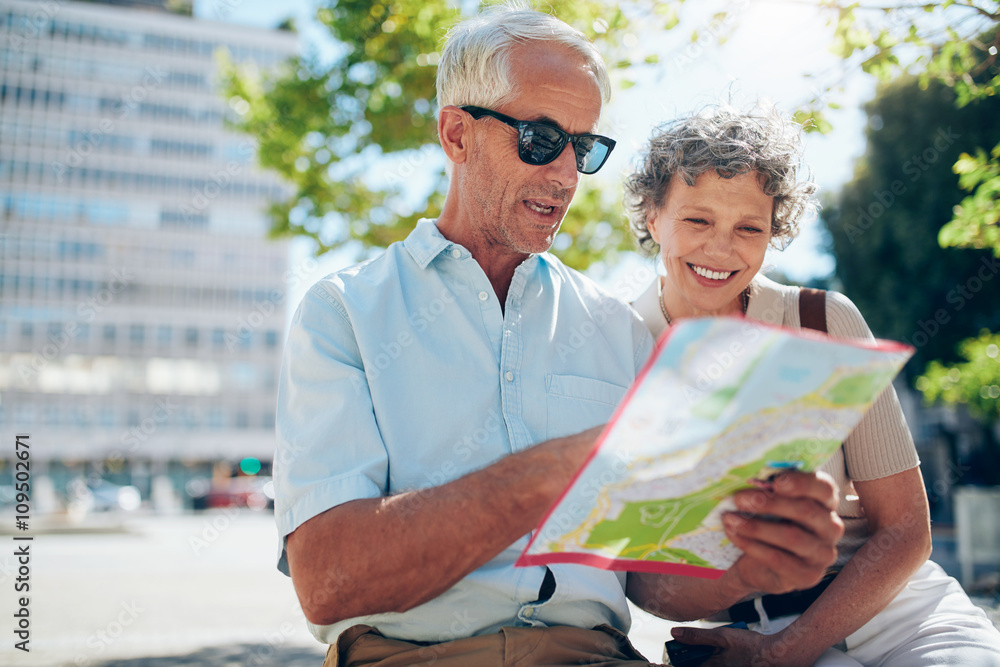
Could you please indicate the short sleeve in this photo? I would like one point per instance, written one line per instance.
(329, 450)
(881, 444)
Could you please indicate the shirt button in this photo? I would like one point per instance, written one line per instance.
(456, 253)
(529, 612)
(483, 296)
(509, 376)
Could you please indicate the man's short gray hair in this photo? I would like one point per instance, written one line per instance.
(475, 65)
(729, 142)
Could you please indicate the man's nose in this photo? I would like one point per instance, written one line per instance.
(562, 170)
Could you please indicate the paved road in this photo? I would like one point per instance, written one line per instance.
(159, 586)
(184, 590)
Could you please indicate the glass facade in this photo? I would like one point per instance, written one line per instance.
(141, 307)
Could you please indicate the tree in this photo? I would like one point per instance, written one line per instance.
(884, 224)
(955, 45)
(975, 381)
(355, 138)
(349, 134)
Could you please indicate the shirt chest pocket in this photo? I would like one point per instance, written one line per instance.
(574, 404)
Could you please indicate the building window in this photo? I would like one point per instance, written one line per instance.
(51, 415)
(271, 339)
(81, 417)
(218, 337)
(191, 337)
(109, 333)
(164, 334)
(27, 330)
(136, 334)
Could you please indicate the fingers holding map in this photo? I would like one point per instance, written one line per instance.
(721, 403)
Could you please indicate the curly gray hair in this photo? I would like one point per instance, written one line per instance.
(731, 143)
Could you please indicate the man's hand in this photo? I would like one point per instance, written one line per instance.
(733, 646)
(788, 533)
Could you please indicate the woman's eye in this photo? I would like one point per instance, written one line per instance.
(697, 221)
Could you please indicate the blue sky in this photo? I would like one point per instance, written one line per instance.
(766, 58)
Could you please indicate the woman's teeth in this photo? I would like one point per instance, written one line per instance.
(711, 275)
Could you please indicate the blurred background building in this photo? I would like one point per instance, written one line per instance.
(141, 307)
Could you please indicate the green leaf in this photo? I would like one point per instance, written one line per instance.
(974, 383)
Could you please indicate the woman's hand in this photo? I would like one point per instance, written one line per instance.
(788, 534)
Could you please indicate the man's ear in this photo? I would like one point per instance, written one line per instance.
(453, 132)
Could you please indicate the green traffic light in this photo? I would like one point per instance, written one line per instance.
(250, 466)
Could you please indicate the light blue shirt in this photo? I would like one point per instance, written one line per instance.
(403, 373)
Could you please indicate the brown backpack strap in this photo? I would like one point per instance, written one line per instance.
(812, 309)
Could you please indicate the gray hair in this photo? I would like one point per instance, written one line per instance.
(731, 143)
(475, 64)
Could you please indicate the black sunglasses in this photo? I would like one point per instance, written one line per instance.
(539, 143)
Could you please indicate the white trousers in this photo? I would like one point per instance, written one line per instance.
(931, 622)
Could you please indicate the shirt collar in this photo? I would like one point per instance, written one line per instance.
(426, 242)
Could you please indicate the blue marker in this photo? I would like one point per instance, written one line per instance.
(785, 465)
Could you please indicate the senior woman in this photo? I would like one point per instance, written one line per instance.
(712, 192)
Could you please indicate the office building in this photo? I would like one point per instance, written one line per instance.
(141, 306)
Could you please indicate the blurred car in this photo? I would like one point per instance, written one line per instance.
(256, 493)
(99, 495)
